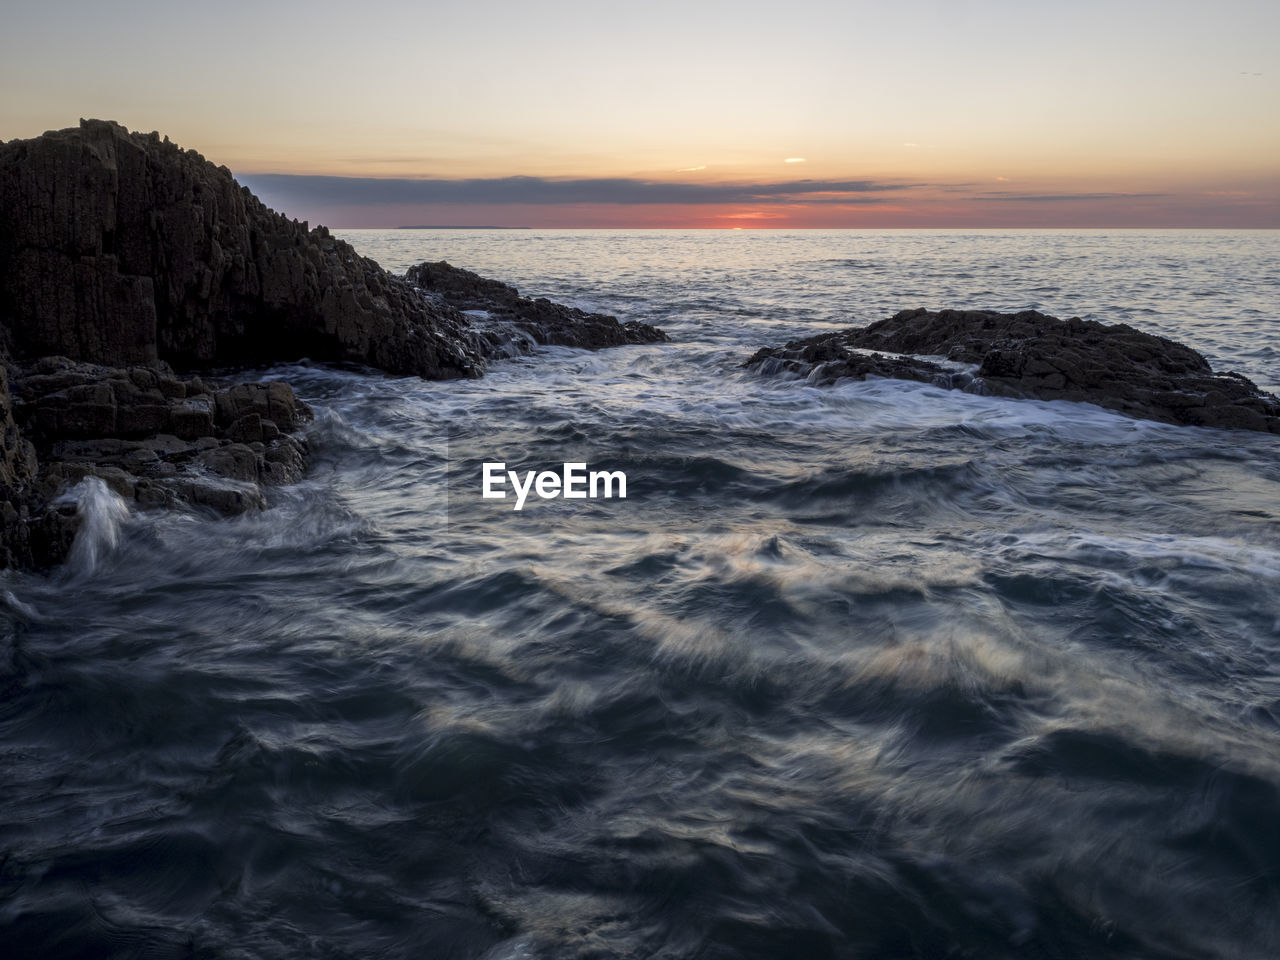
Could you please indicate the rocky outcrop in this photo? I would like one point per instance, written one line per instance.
(156, 439)
(123, 256)
(1029, 354)
(539, 320)
(122, 248)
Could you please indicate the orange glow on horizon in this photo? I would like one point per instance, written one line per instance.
(1184, 212)
(852, 200)
(1097, 129)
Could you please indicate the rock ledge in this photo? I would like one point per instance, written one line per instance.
(1030, 354)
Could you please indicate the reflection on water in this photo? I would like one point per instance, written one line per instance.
(868, 671)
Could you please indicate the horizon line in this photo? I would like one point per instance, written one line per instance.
(733, 229)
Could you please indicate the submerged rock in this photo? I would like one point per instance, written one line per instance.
(1030, 354)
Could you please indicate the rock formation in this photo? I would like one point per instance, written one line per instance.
(152, 437)
(121, 248)
(157, 438)
(118, 248)
(18, 470)
(1029, 354)
(123, 257)
(540, 320)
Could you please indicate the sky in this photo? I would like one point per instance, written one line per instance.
(804, 113)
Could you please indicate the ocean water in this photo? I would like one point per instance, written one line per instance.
(867, 671)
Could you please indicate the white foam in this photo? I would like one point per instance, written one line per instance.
(16, 605)
(517, 948)
(102, 514)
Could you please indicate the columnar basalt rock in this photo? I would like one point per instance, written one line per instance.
(154, 438)
(1030, 354)
(18, 470)
(121, 248)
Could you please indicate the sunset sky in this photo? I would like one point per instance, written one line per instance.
(573, 114)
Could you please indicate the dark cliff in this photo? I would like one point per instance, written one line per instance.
(120, 248)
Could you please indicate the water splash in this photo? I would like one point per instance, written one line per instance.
(102, 514)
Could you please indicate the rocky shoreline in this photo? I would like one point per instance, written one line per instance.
(124, 258)
(1032, 355)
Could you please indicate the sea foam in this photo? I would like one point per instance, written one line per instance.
(102, 513)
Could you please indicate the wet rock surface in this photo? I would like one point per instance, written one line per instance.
(1030, 354)
(155, 439)
(538, 319)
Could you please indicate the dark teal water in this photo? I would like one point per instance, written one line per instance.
(871, 671)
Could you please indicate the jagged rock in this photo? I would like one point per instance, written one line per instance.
(121, 248)
(121, 253)
(1030, 354)
(192, 417)
(235, 461)
(246, 429)
(25, 533)
(540, 319)
(17, 455)
(152, 437)
(224, 497)
(274, 401)
(826, 361)
(59, 399)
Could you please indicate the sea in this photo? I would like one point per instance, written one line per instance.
(872, 671)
